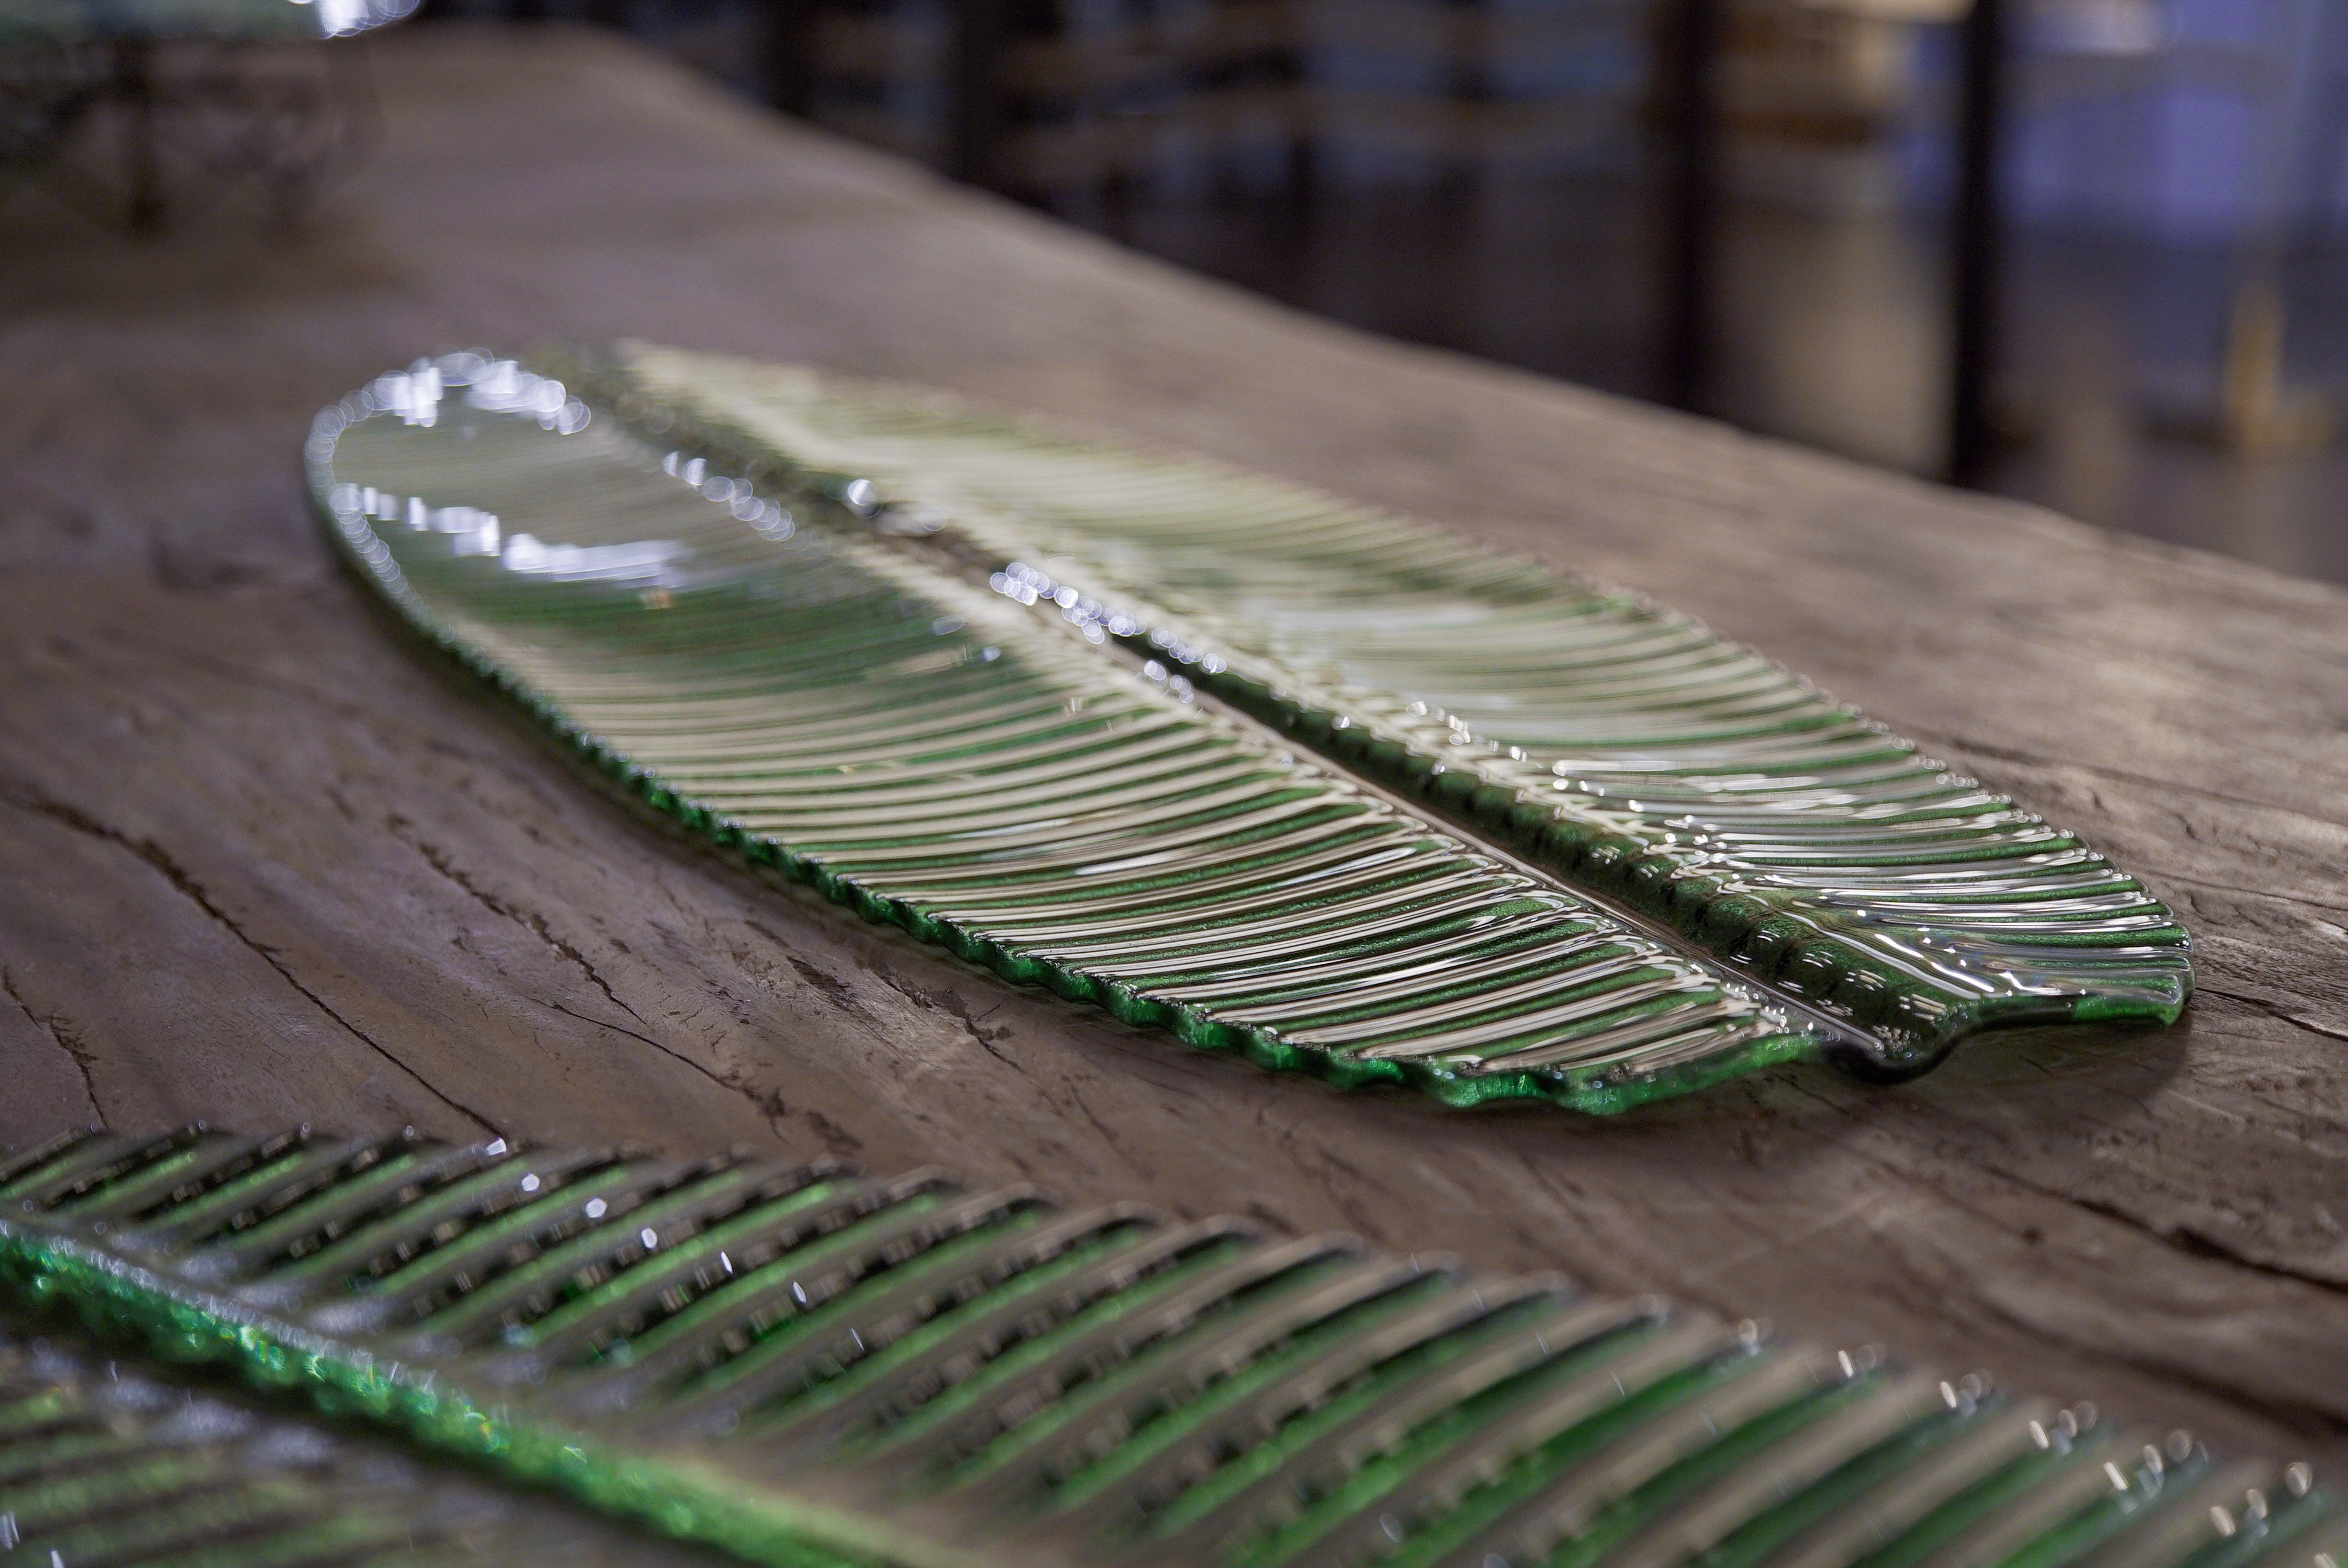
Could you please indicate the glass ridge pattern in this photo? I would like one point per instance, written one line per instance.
(101, 1463)
(1013, 692)
(809, 1367)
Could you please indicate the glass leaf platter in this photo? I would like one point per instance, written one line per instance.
(1282, 773)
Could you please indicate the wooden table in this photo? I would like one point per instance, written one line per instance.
(260, 862)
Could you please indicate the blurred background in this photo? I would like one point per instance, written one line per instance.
(2092, 253)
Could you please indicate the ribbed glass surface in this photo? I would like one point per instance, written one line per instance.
(1149, 732)
(942, 756)
(106, 1463)
(809, 1367)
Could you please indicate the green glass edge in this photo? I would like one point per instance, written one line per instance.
(1596, 1091)
(671, 1496)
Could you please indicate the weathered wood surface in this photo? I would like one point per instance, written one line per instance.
(259, 861)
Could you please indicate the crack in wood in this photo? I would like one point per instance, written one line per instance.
(2275, 1010)
(951, 1003)
(2183, 1238)
(26, 798)
(2147, 781)
(64, 1038)
(768, 1103)
(2253, 891)
(839, 993)
(2298, 1416)
(2180, 1238)
(536, 923)
(2310, 1420)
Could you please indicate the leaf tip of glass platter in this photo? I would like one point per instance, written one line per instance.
(1283, 776)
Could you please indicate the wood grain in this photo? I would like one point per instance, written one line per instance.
(262, 861)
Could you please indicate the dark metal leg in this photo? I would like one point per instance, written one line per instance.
(1976, 234)
(976, 112)
(142, 171)
(1294, 70)
(1692, 197)
(790, 56)
(1468, 85)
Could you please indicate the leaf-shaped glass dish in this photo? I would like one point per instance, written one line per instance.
(810, 1368)
(1042, 701)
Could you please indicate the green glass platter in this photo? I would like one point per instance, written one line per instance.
(809, 1367)
(1282, 775)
